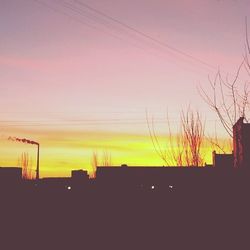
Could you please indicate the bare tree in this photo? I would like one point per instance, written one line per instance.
(219, 144)
(228, 99)
(193, 137)
(94, 164)
(26, 164)
(105, 161)
(229, 95)
(184, 147)
(106, 158)
(247, 49)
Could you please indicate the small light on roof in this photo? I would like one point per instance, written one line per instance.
(69, 187)
(152, 187)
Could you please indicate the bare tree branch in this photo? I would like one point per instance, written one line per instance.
(226, 99)
(184, 148)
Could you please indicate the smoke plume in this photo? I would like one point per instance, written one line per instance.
(23, 140)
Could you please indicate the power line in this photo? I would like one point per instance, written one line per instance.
(86, 123)
(135, 36)
(104, 22)
(164, 44)
(72, 7)
(149, 37)
(74, 17)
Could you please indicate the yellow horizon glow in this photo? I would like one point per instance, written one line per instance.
(63, 151)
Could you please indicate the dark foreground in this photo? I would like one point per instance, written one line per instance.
(116, 219)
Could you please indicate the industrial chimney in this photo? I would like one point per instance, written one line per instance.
(37, 161)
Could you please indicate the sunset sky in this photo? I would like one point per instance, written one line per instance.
(78, 76)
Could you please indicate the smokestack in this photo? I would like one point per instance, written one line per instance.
(33, 143)
(37, 162)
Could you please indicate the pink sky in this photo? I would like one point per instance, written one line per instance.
(55, 69)
(44, 53)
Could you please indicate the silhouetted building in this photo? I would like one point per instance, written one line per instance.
(10, 174)
(80, 180)
(154, 178)
(10, 179)
(56, 183)
(241, 144)
(223, 161)
(79, 175)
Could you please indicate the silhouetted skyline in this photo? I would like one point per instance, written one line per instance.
(78, 76)
(124, 124)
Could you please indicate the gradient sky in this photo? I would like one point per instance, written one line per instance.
(78, 82)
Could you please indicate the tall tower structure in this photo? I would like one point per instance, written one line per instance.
(241, 144)
(38, 162)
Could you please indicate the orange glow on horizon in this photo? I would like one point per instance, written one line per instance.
(64, 151)
(79, 84)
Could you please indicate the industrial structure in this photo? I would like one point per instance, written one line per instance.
(241, 144)
(222, 161)
(27, 141)
(154, 177)
(38, 162)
